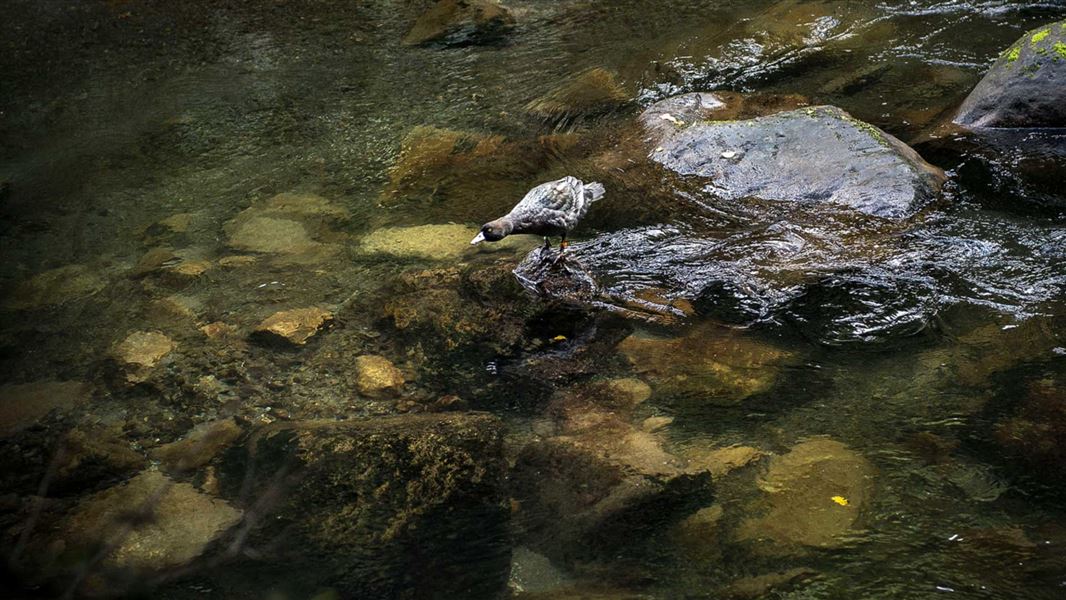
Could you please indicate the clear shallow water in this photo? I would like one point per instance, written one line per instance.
(117, 115)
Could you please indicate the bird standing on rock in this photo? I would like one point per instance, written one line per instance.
(552, 208)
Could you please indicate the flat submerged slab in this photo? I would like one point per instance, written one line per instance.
(810, 155)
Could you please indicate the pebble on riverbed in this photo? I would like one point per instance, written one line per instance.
(54, 287)
(199, 446)
(23, 404)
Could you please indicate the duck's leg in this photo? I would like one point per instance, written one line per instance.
(547, 243)
(563, 245)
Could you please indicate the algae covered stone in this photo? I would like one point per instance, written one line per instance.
(1026, 87)
(432, 242)
(199, 446)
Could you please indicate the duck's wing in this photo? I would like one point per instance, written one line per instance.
(555, 203)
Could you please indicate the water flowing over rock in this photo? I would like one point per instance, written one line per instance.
(1026, 87)
(589, 93)
(54, 287)
(377, 376)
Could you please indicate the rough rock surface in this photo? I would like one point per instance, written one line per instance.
(434, 242)
(295, 326)
(406, 507)
(460, 22)
(812, 155)
(814, 496)
(23, 404)
(1026, 87)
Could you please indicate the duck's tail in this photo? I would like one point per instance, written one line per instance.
(594, 191)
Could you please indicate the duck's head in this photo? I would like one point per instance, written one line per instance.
(493, 231)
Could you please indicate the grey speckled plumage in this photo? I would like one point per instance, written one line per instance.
(552, 208)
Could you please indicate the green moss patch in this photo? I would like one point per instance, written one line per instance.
(1013, 53)
(1040, 36)
(1060, 50)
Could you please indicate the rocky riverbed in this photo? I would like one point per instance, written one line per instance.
(810, 343)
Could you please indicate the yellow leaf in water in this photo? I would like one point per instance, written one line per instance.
(841, 500)
(559, 338)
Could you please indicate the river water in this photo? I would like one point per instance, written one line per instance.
(936, 357)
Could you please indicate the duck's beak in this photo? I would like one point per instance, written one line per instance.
(480, 237)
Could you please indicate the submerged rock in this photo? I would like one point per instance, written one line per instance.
(409, 507)
(143, 527)
(814, 496)
(90, 456)
(298, 226)
(140, 352)
(1036, 432)
(460, 22)
(591, 92)
(376, 376)
(720, 364)
(1025, 87)
(199, 446)
(600, 490)
(295, 326)
(54, 287)
(433, 242)
(23, 404)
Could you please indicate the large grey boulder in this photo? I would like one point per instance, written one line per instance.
(1026, 87)
(811, 155)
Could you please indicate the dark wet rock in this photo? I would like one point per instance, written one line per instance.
(294, 326)
(459, 23)
(713, 362)
(377, 376)
(54, 287)
(23, 404)
(142, 528)
(203, 443)
(139, 354)
(172, 266)
(599, 490)
(405, 507)
(589, 93)
(815, 155)
(813, 497)
(90, 456)
(1026, 87)
(1035, 433)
